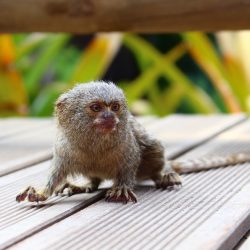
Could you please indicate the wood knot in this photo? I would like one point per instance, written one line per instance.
(73, 8)
(56, 8)
(81, 7)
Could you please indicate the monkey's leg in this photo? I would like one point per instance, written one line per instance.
(73, 189)
(167, 180)
(33, 195)
(122, 188)
(153, 166)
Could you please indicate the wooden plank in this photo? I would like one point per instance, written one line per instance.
(158, 221)
(16, 217)
(245, 242)
(211, 211)
(180, 133)
(34, 145)
(21, 220)
(81, 16)
(224, 223)
(146, 120)
(30, 141)
(31, 144)
(13, 126)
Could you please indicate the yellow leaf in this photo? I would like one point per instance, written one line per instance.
(7, 53)
(13, 99)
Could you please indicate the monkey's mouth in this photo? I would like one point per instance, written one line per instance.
(106, 126)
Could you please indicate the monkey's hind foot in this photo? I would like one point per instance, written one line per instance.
(120, 194)
(32, 195)
(72, 189)
(168, 181)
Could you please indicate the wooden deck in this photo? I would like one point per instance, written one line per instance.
(211, 211)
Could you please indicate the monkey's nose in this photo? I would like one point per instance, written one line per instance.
(108, 116)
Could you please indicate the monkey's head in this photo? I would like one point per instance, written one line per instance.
(92, 107)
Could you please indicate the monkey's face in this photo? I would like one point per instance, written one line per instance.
(105, 116)
(96, 107)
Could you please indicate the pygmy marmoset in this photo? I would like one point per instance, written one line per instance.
(97, 137)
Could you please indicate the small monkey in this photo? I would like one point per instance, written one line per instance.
(97, 137)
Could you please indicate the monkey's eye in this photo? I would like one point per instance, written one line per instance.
(115, 107)
(96, 107)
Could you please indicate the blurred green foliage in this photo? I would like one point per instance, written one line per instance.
(36, 68)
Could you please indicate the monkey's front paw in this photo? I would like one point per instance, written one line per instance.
(121, 194)
(72, 189)
(169, 180)
(31, 194)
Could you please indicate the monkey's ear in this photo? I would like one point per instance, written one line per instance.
(61, 101)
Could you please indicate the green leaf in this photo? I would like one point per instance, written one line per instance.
(196, 96)
(43, 105)
(96, 58)
(221, 75)
(29, 44)
(49, 50)
(170, 99)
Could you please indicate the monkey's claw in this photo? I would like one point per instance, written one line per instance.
(72, 189)
(22, 196)
(120, 194)
(169, 180)
(31, 194)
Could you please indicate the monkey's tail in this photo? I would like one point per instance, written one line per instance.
(195, 165)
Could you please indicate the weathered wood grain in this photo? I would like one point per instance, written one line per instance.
(211, 211)
(229, 223)
(180, 133)
(29, 144)
(88, 16)
(29, 141)
(14, 126)
(160, 220)
(19, 221)
(33, 143)
(245, 244)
